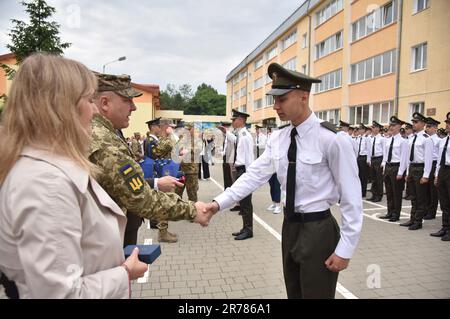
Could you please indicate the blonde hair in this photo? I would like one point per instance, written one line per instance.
(42, 110)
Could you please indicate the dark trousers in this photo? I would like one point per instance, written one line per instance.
(11, 290)
(419, 193)
(275, 191)
(408, 188)
(305, 248)
(134, 222)
(377, 177)
(227, 180)
(433, 193)
(363, 172)
(444, 195)
(394, 190)
(205, 167)
(246, 205)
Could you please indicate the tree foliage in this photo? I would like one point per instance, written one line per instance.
(205, 101)
(39, 35)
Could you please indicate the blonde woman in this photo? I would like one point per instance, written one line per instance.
(60, 233)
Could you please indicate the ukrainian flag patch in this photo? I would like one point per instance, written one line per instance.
(126, 170)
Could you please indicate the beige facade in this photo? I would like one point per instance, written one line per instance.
(370, 55)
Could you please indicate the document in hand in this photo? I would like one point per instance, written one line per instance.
(147, 253)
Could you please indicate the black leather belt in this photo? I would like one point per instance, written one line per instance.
(445, 167)
(306, 217)
(240, 168)
(376, 157)
(417, 164)
(362, 156)
(392, 164)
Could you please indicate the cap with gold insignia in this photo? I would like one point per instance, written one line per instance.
(408, 126)
(120, 84)
(284, 80)
(154, 121)
(362, 126)
(395, 121)
(447, 120)
(418, 117)
(237, 114)
(432, 121)
(343, 124)
(376, 124)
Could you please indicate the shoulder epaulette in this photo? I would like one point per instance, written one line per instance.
(329, 126)
(426, 135)
(283, 126)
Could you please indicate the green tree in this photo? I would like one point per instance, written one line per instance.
(39, 35)
(206, 101)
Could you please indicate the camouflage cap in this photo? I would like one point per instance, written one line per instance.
(166, 121)
(188, 125)
(120, 84)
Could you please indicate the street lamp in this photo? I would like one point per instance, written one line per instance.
(122, 58)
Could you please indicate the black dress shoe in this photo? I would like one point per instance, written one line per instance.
(439, 233)
(394, 219)
(387, 216)
(372, 198)
(408, 197)
(236, 208)
(429, 216)
(407, 224)
(415, 226)
(244, 235)
(376, 200)
(238, 232)
(446, 237)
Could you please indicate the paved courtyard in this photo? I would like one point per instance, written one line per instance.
(390, 262)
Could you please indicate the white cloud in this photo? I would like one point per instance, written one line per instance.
(165, 41)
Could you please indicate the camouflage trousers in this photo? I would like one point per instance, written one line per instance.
(191, 186)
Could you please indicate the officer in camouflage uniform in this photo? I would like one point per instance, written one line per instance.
(118, 173)
(189, 166)
(136, 147)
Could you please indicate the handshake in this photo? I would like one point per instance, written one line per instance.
(205, 212)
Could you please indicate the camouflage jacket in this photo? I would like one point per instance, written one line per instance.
(136, 150)
(123, 179)
(189, 164)
(163, 148)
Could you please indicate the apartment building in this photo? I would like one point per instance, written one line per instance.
(376, 58)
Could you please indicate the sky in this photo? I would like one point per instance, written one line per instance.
(164, 41)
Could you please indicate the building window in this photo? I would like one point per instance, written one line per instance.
(380, 112)
(328, 11)
(235, 80)
(243, 108)
(289, 40)
(269, 100)
(272, 53)
(420, 5)
(291, 64)
(332, 116)
(304, 40)
(419, 57)
(259, 63)
(243, 75)
(257, 104)
(416, 107)
(258, 83)
(243, 91)
(374, 21)
(330, 81)
(329, 45)
(236, 95)
(304, 69)
(374, 67)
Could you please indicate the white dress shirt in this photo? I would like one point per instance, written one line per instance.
(261, 140)
(436, 140)
(326, 166)
(361, 148)
(423, 151)
(379, 147)
(399, 152)
(244, 148)
(447, 154)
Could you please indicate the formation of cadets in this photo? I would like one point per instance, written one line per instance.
(413, 155)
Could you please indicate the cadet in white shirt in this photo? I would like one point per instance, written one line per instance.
(409, 134)
(361, 153)
(431, 129)
(243, 157)
(420, 165)
(394, 164)
(314, 166)
(227, 153)
(374, 159)
(443, 182)
(261, 140)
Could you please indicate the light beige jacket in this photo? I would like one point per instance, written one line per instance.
(61, 235)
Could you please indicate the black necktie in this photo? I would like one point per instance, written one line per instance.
(444, 151)
(291, 175)
(359, 149)
(235, 147)
(390, 150)
(373, 146)
(411, 155)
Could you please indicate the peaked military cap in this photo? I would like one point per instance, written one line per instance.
(442, 131)
(375, 123)
(447, 120)
(408, 126)
(154, 121)
(432, 121)
(396, 121)
(284, 80)
(419, 117)
(224, 123)
(258, 126)
(343, 124)
(362, 126)
(166, 121)
(237, 114)
(402, 130)
(120, 84)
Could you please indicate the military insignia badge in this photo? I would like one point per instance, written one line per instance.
(126, 170)
(274, 76)
(135, 184)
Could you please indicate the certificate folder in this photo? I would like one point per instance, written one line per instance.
(147, 253)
